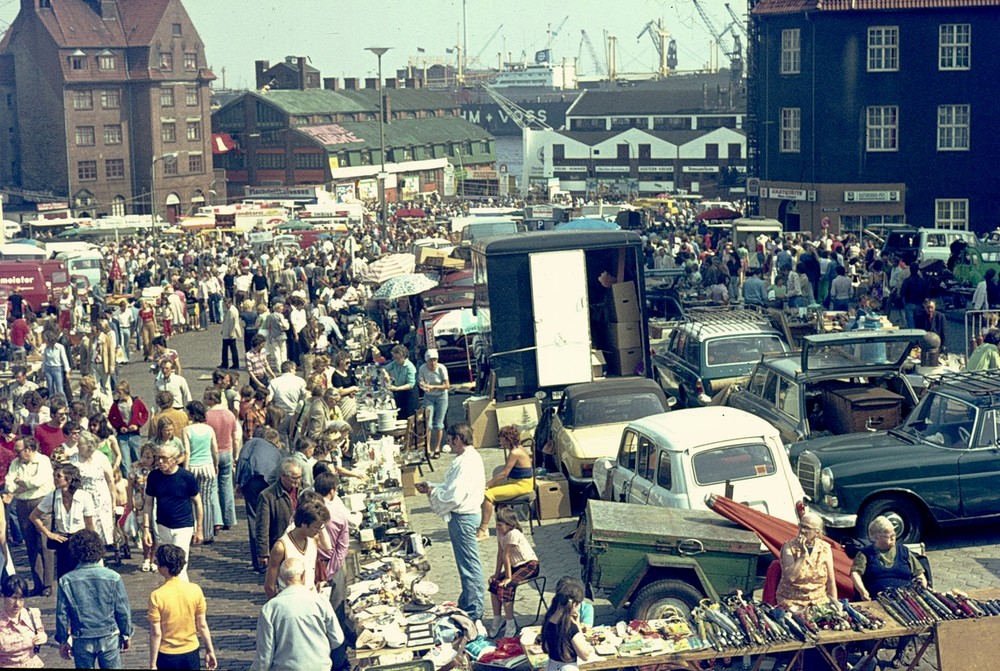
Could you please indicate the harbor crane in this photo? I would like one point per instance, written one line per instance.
(737, 20)
(585, 42)
(666, 50)
(524, 119)
(735, 55)
(555, 33)
(475, 59)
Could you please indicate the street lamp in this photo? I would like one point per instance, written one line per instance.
(152, 185)
(378, 51)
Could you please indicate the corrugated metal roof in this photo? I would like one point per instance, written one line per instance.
(401, 133)
(409, 100)
(798, 6)
(645, 103)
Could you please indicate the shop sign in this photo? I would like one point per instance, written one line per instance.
(786, 194)
(656, 168)
(612, 168)
(569, 168)
(701, 168)
(871, 196)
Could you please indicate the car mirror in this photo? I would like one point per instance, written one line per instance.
(608, 464)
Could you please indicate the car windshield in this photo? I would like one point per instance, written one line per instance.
(473, 231)
(614, 409)
(857, 355)
(733, 463)
(744, 349)
(942, 420)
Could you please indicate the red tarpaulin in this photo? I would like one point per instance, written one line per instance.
(773, 532)
(222, 142)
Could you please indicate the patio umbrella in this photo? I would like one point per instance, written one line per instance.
(588, 225)
(773, 532)
(404, 285)
(456, 322)
(389, 266)
(295, 225)
(718, 214)
(412, 212)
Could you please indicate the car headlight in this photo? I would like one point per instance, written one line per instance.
(826, 480)
(826, 486)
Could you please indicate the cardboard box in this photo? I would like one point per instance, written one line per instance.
(524, 414)
(624, 335)
(625, 301)
(597, 363)
(409, 479)
(552, 497)
(482, 416)
(443, 262)
(625, 361)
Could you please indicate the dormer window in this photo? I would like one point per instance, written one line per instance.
(105, 60)
(78, 60)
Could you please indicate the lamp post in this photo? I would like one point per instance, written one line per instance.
(152, 186)
(378, 51)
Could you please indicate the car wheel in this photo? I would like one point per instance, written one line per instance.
(655, 599)
(905, 517)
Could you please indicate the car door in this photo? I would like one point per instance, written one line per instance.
(669, 364)
(979, 468)
(667, 479)
(645, 471)
(623, 472)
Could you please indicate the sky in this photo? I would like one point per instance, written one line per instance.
(334, 34)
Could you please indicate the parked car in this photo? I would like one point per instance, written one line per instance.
(713, 350)
(940, 467)
(670, 460)
(839, 383)
(925, 244)
(588, 422)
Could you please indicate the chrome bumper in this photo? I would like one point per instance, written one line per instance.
(834, 520)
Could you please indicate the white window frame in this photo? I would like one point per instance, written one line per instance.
(882, 128)
(883, 49)
(955, 46)
(791, 130)
(952, 213)
(953, 127)
(791, 51)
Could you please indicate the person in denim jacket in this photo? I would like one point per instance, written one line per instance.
(93, 615)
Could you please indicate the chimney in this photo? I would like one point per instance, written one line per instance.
(391, 83)
(331, 83)
(301, 61)
(350, 83)
(108, 9)
(371, 83)
(410, 82)
(261, 68)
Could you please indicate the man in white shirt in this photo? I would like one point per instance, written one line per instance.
(167, 380)
(459, 501)
(287, 390)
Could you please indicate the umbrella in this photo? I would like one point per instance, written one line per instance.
(718, 214)
(404, 285)
(456, 322)
(588, 225)
(389, 266)
(773, 532)
(412, 212)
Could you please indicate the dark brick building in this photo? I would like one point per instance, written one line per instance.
(97, 94)
(870, 112)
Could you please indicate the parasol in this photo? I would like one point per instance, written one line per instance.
(410, 213)
(404, 285)
(588, 225)
(718, 214)
(773, 532)
(389, 266)
(456, 322)
(295, 225)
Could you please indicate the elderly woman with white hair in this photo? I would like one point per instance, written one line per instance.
(807, 575)
(435, 384)
(885, 563)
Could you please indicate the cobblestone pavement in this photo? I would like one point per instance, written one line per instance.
(961, 559)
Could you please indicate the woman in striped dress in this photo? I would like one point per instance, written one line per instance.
(203, 464)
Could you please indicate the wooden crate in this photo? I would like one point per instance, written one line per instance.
(850, 408)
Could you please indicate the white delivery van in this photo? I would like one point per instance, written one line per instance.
(86, 263)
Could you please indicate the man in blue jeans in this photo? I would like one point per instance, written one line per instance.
(459, 501)
(92, 608)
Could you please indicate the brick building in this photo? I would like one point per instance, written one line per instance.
(95, 96)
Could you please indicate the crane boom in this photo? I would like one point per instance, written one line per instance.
(475, 59)
(585, 40)
(519, 115)
(736, 20)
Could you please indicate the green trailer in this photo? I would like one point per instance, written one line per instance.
(651, 557)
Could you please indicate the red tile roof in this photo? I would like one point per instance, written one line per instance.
(74, 23)
(798, 6)
(141, 18)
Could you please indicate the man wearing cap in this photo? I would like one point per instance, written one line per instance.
(433, 380)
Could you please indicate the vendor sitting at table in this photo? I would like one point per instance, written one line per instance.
(883, 564)
(807, 576)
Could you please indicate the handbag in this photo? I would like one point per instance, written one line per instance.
(49, 543)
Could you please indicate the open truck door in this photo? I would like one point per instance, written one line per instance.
(562, 318)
